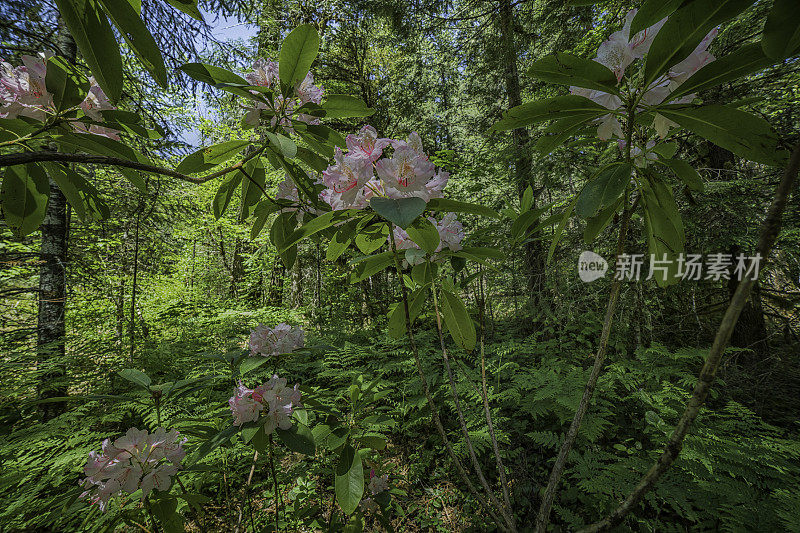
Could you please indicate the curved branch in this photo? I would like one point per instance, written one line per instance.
(769, 232)
(21, 158)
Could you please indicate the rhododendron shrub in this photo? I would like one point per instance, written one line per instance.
(137, 460)
(271, 402)
(281, 339)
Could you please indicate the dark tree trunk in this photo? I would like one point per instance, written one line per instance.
(533, 254)
(750, 331)
(51, 331)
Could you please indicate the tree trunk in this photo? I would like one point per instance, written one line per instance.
(50, 341)
(534, 258)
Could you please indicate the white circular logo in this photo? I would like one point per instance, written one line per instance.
(591, 266)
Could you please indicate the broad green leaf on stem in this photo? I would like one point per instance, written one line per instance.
(663, 227)
(210, 156)
(560, 229)
(65, 83)
(425, 234)
(458, 321)
(744, 134)
(279, 233)
(340, 241)
(401, 212)
(424, 273)
(652, 11)
(323, 150)
(213, 443)
(253, 180)
(684, 30)
(345, 106)
(282, 144)
(549, 109)
(349, 482)
(561, 130)
(298, 438)
(782, 30)
(597, 223)
(315, 225)
(225, 193)
(666, 150)
(24, 197)
(136, 376)
(95, 39)
(372, 238)
(96, 144)
(310, 158)
(187, 6)
(480, 253)
(261, 213)
(370, 265)
(603, 190)
(373, 442)
(686, 173)
(138, 37)
(454, 206)
(218, 77)
(75, 188)
(326, 135)
(567, 69)
(14, 128)
(746, 60)
(298, 51)
(525, 220)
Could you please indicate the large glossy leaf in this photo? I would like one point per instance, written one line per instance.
(742, 133)
(686, 173)
(345, 106)
(349, 482)
(210, 156)
(549, 109)
(218, 77)
(746, 60)
(315, 225)
(24, 198)
(401, 212)
(567, 69)
(279, 233)
(136, 376)
(652, 11)
(371, 265)
(561, 130)
(458, 321)
(597, 223)
(684, 30)
(663, 227)
(298, 438)
(80, 194)
(138, 37)
(225, 193)
(252, 186)
(92, 33)
(187, 6)
(282, 144)
(298, 51)
(65, 83)
(425, 234)
(603, 190)
(782, 30)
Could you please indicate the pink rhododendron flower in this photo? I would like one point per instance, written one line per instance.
(348, 176)
(265, 73)
(451, 233)
(22, 89)
(367, 143)
(273, 400)
(308, 92)
(281, 339)
(406, 174)
(137, 460)
(641, 158)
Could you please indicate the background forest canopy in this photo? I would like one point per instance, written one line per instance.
(306, 266)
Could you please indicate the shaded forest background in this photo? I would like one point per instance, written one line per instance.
(165, 286)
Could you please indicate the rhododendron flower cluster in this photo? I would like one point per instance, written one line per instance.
(366, 170)
(137, 460)
(265, 74)
(272, 400)
(23, 93)
(281, 339)
(451, 233)
(619, 52)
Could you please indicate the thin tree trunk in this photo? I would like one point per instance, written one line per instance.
(134, 285)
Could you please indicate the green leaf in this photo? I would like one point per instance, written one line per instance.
(563, 129)
(603, 190)
(401, 212)
(425, 234)
(684, 30)
(326, 135)
(424, 273)
(310, 158)
(24, 197)
(370, 265)
(458, 321)
(597, 223)
(746, 60)
(549, 109)
(345, 106)
(279, 234)
(454, 206)
(298, 438)
(261, 212)
(340, 241)
(782, 30)
(742, 133)
(65, 83)
(349, 483)
(92, 33)
(525, 220)
(136, 376)
(282, 144)
(481, 252)
(225, 193)
(187, 6)
(138, 37)
(298, 51)
(567, 69)
(252, 189)
(252, 363)
(210, 156)
(666, 150)
(372, 441)
(686, 173)
(663, 227)
(315, 225)
(560, 229)
(372, 238)
(652, 11)
(219, 78)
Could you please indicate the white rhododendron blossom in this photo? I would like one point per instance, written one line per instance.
(451, 233)
(273, 400)
(619, 52)
(137, 460)
(265, 74)
(377, 484)
(281, 339)
(641, 158)
(366, 171)
(23, 93)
